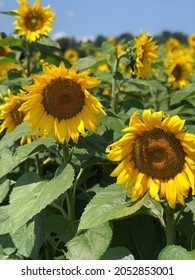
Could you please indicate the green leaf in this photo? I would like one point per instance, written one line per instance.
(108, 47)
(116, 253)
(5, 59)
(4, 188)
(7, 245)
(191, 205)
(17, 133)
(47, 41)
(11, 41)
(183, 93)
(64, 230)
(87, 62)
(173, 252)
(88, 143)
(28, 200)
(91, 244)
(9, 161)
(154, 208)
(10, 13)
(107, 205)
(28, 239)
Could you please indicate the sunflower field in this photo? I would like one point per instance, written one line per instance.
(97, 152)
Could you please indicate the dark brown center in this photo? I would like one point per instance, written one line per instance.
(63, 98)
(33, 21)
(17, 115)
(2, 51)
(158, 154)
(177, 72)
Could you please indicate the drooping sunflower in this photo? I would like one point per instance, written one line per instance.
(33, 21)
(146, 53)
(11, 117)
(59, 103)
(156, 156)
(179, 67)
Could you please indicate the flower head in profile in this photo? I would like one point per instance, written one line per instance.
(178, 67)
(146, 53)
(156, 156)
(34, 21)
(11, 117)
(59, 103)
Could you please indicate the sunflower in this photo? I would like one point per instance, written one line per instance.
(11, 117)
(59, 103)
(5, 67)
(172, 44)
(178, 67)
(72, 55)
(191, 40)
(33, 21)
(111, 40)
(146, 50)
(157, 156)
(4, 49)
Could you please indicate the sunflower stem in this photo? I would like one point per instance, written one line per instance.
(28, 58)
(170, 225)
(69, 194)
(64, 214)
(65, 151)
(38, 165)
(114, 93)
(70, 205)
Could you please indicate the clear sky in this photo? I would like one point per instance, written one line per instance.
(87, 18)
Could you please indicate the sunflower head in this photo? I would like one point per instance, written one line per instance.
(172, 44)
(5, 67)
(60, 104)
(111, 40)
(33, 21)
(156, 156)
(146, 53)
(191, 40)
(4, 49)
(72, 55)
(178, 67)
(11, 117)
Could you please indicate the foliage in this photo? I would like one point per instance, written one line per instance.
(60, 202)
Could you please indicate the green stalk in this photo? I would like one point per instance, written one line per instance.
(65, 151)
(170, 225)
(114, 92)
(60, 209)
(38, 165)
(70, 204)
(70, 198)
(28, 58)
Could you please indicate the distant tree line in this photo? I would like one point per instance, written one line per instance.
(84, 48)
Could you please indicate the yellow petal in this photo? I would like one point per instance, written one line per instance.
(171, 193)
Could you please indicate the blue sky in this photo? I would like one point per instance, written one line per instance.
(87, 18)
